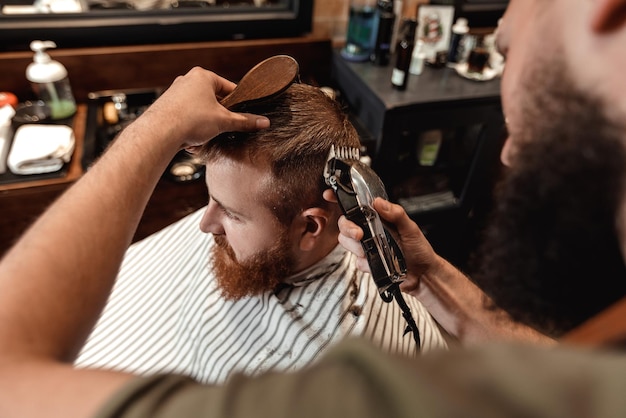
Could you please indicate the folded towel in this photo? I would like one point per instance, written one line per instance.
(40, 148)
(6, 113)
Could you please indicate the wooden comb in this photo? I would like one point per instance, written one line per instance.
(267, 79)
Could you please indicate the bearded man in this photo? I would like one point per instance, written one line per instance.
(277, 289)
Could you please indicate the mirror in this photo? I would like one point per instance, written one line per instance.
(80, 23)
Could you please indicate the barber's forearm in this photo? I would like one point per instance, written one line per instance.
(459, 306)
(74, 250)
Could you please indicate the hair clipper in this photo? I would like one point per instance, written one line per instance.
(356, 186)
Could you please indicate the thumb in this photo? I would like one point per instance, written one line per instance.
(245, 122)
(397, 216)
(418, 253)
(394, 214)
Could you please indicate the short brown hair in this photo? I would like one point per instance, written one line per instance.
(305, 122)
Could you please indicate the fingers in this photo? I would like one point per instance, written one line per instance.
(191, 107)
(239, 122)
(329, 196)
(193, 149)
(223, 87)
(349, 238)
(351, 245)
(234, 122)
(396, 215)
(349, 229)
(418, 253)
(351, 233)
(246, 122)
(363, 265)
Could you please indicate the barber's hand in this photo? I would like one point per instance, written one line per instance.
(418, 253)
(191, 106)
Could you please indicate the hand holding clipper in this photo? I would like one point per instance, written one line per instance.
(356, 186)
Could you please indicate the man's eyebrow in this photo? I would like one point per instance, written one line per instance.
(226, 208)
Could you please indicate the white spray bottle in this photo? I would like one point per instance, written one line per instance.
(50, 82)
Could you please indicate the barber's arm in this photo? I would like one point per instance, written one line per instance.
(55, 281)
(450, 296)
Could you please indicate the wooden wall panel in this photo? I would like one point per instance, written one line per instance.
(105, 68)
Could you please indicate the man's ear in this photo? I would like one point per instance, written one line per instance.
(314, 222)
(608, 15)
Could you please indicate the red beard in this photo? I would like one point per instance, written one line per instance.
(260, 273)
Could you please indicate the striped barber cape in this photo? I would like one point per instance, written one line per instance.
(166, 315)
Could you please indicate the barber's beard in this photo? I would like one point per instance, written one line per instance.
(258, 274)
(552, 256)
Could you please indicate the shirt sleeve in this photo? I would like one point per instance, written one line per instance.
(357, 380)
(342, 384)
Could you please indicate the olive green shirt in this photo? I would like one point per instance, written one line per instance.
(356, 380)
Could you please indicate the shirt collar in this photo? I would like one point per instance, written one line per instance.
(318, 270)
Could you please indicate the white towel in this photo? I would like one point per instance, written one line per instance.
(41, 148)
(6, 114)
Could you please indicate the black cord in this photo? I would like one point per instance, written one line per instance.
(395, 292)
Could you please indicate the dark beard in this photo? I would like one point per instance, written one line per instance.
(259, 274)
(552, 257)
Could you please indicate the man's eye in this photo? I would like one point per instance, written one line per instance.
(230, 215)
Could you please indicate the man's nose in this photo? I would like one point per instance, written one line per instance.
(211, 220)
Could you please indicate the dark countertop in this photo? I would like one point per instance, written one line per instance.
(376, 106)
(434, 85)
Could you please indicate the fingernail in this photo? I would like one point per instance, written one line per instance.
(262, 123)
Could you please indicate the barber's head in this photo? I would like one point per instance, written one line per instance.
(552, 256)
(266, 209)
(577, 39)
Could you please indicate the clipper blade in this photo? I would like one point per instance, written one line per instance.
(347, 153)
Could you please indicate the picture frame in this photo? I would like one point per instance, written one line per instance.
(434, 28)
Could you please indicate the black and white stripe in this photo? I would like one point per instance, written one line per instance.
(165, 314)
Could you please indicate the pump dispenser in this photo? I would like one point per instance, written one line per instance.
(50, 82)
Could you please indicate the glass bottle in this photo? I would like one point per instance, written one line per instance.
(362, 29)
(386, 19)
(404, 51)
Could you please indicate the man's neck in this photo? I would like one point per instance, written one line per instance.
(324, 260)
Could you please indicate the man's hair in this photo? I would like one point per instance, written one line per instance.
(305, 122)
